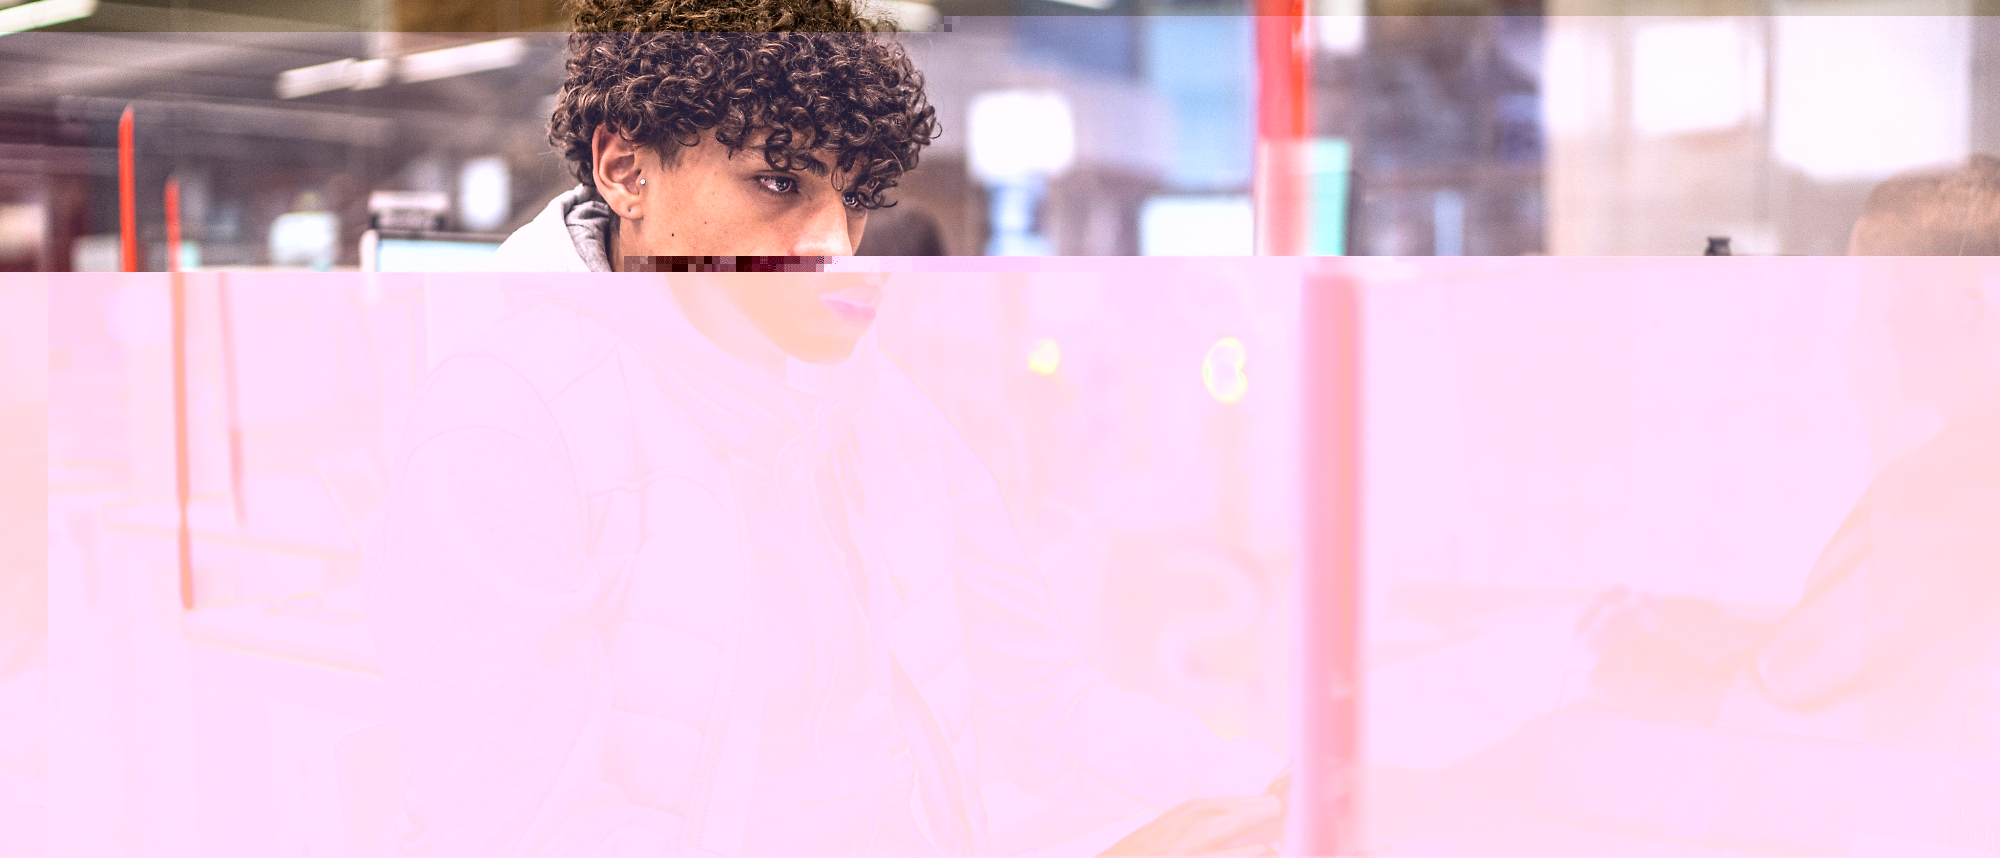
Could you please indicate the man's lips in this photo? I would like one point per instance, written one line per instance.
(853, 306)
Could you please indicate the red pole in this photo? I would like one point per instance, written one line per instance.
(179, 287)
(1284, 81)
(128, 216)
(1322, 819)
(173, 224)
(181, 476)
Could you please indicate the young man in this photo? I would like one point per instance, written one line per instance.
(684, 565)
(764, 128)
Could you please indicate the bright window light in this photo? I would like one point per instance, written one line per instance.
(44, 13)
(305, 240)
(1690, 76)
(1863, 98)
(1020, 134)
(1339, 27)
(484, 195)
(1196, 226)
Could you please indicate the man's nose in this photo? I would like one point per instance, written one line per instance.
(826, 232)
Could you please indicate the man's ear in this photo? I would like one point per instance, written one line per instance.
(615, 165)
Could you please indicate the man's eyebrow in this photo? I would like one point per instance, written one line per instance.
(799, 161)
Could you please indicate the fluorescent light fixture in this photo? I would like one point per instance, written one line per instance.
(1099, 5)
(463, 59)
(369, 74)
(1020, 134)
(1690, 76)
(43, 13)
(313, 80)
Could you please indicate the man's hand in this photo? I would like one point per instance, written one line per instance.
(1214, 826)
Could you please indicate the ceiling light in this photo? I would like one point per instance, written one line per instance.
(369, 74)
(464, 59)
(43, 13)
(313, 80)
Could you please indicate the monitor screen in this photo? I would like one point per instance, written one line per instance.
(423, 254)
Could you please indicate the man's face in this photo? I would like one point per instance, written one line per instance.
(816, 318)
(706, 201)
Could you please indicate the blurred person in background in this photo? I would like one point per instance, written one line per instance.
(1901, 612)
(902, 231)
(688, 564)
(763, 128)
(1933, 213)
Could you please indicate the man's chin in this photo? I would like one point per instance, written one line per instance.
(826, 350)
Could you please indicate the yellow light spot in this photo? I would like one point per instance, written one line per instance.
(1222, 371)
(1044, 357)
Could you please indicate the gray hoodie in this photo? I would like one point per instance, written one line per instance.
(571, 234)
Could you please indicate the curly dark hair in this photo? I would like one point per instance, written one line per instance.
(816, 73)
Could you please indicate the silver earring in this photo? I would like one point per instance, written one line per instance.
(642, 181)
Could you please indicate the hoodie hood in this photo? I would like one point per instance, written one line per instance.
(572, 233)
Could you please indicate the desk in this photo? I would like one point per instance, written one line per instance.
(291, 752)
(295, 753)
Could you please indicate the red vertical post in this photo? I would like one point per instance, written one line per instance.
(181, 475)
(128, 215)
(178, 284)
(1323, 818)
(1284, 79)
(173, 224)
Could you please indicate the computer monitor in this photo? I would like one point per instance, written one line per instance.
(388, 251)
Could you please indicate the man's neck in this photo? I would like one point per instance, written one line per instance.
(716, 317)
(614, 244)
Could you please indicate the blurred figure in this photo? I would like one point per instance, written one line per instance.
(1906, 597)
(1902, 609)
(903, 230)
(1933, 213)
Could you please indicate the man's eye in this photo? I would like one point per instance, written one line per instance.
(778, 184)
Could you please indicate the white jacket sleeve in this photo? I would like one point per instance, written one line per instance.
(480, 598)
(1058, 727)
